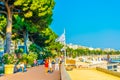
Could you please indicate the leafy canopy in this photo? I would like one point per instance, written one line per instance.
(2, 22)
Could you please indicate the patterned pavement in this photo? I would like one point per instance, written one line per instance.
(34, 73)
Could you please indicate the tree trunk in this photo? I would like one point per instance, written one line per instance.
(25, 34)
(8, 29)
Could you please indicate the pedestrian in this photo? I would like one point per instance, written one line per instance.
(22, 66)
(35, 62)
(50, 65)
(57, 63)
(46, 64)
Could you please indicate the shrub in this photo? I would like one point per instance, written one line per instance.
(9, 58)
(31, 57)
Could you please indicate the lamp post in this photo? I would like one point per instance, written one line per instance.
(64, 51)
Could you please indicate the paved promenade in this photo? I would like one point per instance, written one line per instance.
(34, 73)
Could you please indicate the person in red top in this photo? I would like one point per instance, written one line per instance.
(46, 64)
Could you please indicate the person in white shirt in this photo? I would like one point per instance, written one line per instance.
(22, 66)
(57, 61)
(50, 64)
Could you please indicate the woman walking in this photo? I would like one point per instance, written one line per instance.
(46, 64)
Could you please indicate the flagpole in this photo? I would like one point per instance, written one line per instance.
(65, 47)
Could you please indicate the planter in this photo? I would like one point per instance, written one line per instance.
(9, 69)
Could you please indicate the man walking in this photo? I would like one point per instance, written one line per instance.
(57, 63)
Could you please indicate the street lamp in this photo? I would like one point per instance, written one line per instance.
(64, 51)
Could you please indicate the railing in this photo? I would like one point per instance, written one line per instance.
(64, 74)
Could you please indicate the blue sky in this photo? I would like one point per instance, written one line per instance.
(92, 23)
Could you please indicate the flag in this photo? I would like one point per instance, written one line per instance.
(61, 39)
